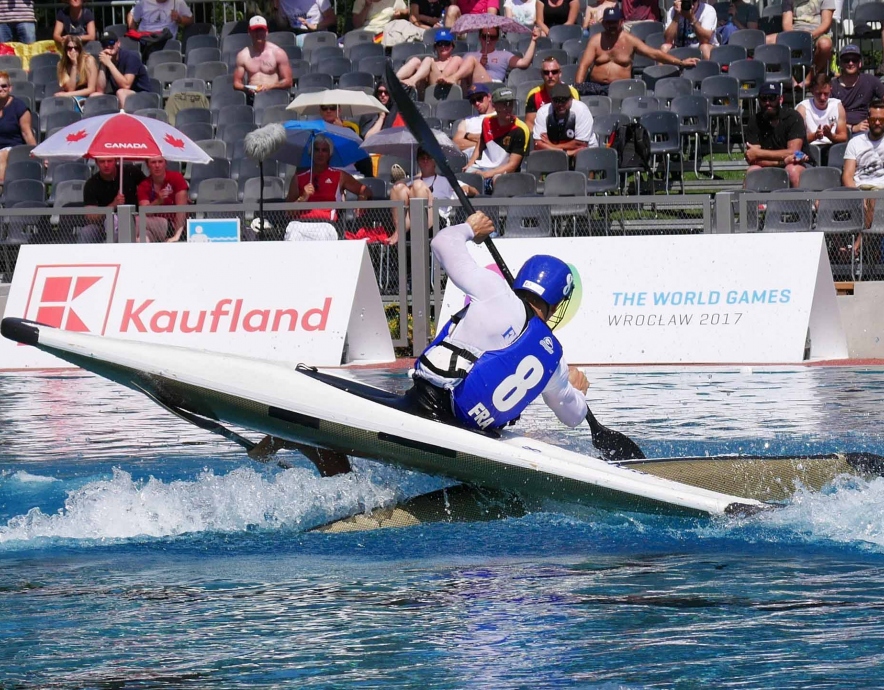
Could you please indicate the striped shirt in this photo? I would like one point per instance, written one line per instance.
(14, 11)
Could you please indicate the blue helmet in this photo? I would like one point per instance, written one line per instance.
(550, 279)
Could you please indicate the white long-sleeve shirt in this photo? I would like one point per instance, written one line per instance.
(495, 319)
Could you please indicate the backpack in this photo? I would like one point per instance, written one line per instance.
(633, 145)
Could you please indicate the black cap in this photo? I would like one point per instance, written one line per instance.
(107, 39)
(560, 90)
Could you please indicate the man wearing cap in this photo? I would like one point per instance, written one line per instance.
(490, 64)
(551, 71)
(419, 72)
(864, 158)
(121, 71)
(608, 56)
(503, 141)
(776, 136)
(691, 24)
(564, 124)
(266, 64)
(470, 128)
(855, 89)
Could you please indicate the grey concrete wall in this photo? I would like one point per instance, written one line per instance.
(4, 293)
(862, 316)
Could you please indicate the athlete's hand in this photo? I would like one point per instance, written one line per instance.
(578, 379)
(481, 225)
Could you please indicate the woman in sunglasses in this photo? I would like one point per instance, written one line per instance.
(77, 70)
(74, 20)
(15, 122)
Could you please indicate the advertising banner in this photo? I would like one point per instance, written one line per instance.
(750, 298)
(311, 302)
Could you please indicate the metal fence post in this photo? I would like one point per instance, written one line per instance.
(126, 223)
(420, 276)
(724, 213)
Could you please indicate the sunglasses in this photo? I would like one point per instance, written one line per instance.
(4, 86)
(488, 37)
(77, 48)
(383, 92)
(550, 72)
(847, 59)
(560, 100)
(328, 107)
(444, 44)
(476, 99)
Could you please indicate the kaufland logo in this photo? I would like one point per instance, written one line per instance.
(74, 297)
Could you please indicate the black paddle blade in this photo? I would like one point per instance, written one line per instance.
(613, 444)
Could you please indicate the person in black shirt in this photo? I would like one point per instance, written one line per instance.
(103, 189)
(74, 20)
(776, 136)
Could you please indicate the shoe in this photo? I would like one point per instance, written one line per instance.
(397, 173)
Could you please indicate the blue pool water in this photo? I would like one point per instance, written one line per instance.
(139, 552)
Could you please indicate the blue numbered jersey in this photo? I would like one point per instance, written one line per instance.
(504, 382)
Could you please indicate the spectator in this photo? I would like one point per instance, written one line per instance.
(855, 90)
(691, 23)
(374, 15)
(744, 14)
(428, 186)
(427, 14)
(556, 13)
(164, 188)
(522, 11)
(824, 117)
(815, 17)
(470, 129)
(503, 141)
(551, 71)
(265, 64)
(77, 70)
(103, 190)
(17, 21)
(564, 124)
(608, 56)
(491, 64)
(74, 20)
(154, 16)
(121, 71)
(371, 124)
(15, 123)
(309, 15)
(775, 137)
(635, 11)
(331, 114)
(419, 72)
(458, 8)
(595, 14)
(321, 183)
(864, 158)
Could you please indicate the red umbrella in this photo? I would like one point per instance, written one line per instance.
(477, 22)
(120, 135)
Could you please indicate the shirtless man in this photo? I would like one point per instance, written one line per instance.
(266, 64)
(608, 56)
(418, 73)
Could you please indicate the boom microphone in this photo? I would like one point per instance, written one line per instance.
(263, 142)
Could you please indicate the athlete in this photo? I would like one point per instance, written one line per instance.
(499, 353)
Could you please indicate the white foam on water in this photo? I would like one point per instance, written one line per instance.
(28, 478)
(122, 508)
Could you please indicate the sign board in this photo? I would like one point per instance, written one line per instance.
(213, 230)
(311, 302)
(748, 298)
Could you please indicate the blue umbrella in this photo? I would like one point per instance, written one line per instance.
(298, 147)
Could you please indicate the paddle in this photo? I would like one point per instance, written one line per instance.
(613, 444)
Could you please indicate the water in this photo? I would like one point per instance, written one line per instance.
(139, 552)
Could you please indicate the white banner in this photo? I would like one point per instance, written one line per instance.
(311, 302)
(748, 298)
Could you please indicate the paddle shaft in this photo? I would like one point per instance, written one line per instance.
(613, 444)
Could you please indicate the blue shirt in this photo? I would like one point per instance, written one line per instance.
(10, 129)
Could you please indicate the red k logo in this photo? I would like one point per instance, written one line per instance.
(73, 297)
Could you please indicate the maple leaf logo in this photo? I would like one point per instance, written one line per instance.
(76, 136)
(172, 141)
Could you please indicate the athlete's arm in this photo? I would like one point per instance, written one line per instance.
(568, 403)
(450, 249)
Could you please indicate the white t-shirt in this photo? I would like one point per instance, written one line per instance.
(814, 118)
(495, 318)
(582, 122)
(524, 11)
(473, 125)
(379, 14)
(156, 16)
(869, 157)
(708, 20)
